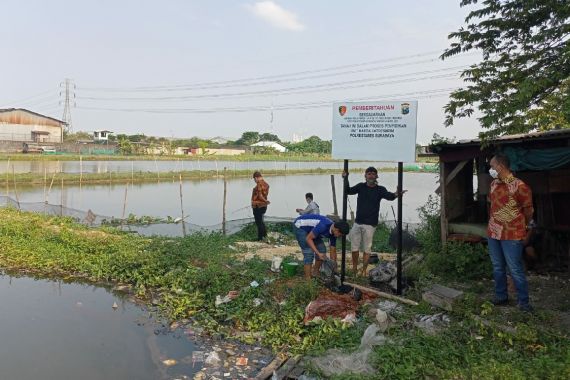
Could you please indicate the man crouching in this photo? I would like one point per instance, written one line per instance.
(309, 231)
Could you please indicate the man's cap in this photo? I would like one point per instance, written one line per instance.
(371, 169)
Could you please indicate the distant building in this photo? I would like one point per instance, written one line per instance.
(101, 135)
(217, 151)
(271, 144)
(220, 140)
(18, 124)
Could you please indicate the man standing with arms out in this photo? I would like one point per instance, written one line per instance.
(259, 204)
(312, 206)
(509, 215)
(367, 211)
(309, 231)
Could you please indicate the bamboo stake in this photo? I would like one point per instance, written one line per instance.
(7, 180)
(125, 202)
(45, 184)
(80, 171)
(50, 185)
(61, 208)
(157, 172)
(224, 204)
(132, 173)
(383, 294)
(182, 208)
(15, 188)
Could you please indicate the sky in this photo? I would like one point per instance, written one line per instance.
(183, 68)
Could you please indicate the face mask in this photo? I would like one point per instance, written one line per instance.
(371, 181)
(493, 173)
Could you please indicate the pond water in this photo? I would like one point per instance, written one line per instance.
(55, 330)
(41, 167)
(203, 199)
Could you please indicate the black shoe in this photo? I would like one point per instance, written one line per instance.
(526, 308)
(498, 302)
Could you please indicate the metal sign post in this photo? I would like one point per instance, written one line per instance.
(344, 206)
(399, 227)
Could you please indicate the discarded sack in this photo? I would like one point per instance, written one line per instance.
(384, 272)
(337, 306)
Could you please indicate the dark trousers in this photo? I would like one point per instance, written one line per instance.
(258, 213)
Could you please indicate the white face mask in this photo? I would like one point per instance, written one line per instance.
(493, 173)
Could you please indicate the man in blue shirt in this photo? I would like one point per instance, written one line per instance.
(309, 231)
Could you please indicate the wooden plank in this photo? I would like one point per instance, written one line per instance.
(442, 203)
(267, 372)
(286, 368)
(455, 171)
(382, 294)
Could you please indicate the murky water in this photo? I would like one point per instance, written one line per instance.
(203, 199)
(41, 167)
(53, 330)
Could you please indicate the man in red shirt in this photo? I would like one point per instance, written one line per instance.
(510, 213)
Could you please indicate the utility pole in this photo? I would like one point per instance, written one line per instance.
(68, 102)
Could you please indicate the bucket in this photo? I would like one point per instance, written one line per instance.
(290, 269)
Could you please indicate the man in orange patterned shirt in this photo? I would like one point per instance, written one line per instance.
(510, 214)
(259, 203)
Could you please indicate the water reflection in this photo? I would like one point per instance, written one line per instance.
(53, 330)
(203, 199)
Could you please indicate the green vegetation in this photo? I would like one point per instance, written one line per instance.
(522, 82)
(185, 275)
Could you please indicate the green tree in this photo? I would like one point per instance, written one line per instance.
(526, 62)
(269, 137)
(248, 138)
(311, 145)
(125, 145)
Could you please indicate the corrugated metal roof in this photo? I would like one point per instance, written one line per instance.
(3, 110)
(546, 135)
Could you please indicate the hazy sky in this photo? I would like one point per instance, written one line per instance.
(217, 68)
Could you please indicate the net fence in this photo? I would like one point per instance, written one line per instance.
(149, 226)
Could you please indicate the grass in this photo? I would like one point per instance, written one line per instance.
(186, 274)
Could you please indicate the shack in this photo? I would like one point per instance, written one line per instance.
(541, 159)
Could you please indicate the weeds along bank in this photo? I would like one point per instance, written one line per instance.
(184, 276)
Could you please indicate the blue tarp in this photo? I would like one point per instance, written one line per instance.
(537, 159)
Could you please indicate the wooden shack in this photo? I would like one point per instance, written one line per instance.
(541, 159)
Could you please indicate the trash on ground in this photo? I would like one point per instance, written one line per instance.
(254, 284)
(276, 264)
(213, 359)
(169, 362)
(330, 305)
(336, 362)
(227, 298)
(241, 361)
(257, 302)
(432, 324)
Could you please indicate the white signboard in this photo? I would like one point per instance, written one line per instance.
(379, 131)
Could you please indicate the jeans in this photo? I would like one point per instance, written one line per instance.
(308, 254)
(508, 253)
(258, 213)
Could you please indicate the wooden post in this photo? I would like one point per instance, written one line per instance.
(125, 202)
(7, 180)
(442, 203)
(224, 204)
(182, 208)
(132, 173)
(15, 188)
(45, 184)
(157, 172)
(80, 171)
(50, 185)
(61, 207)
(334, 195)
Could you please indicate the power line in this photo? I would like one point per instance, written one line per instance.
(294, 90)
(264, 108)
(250, 79)
(28, 98)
